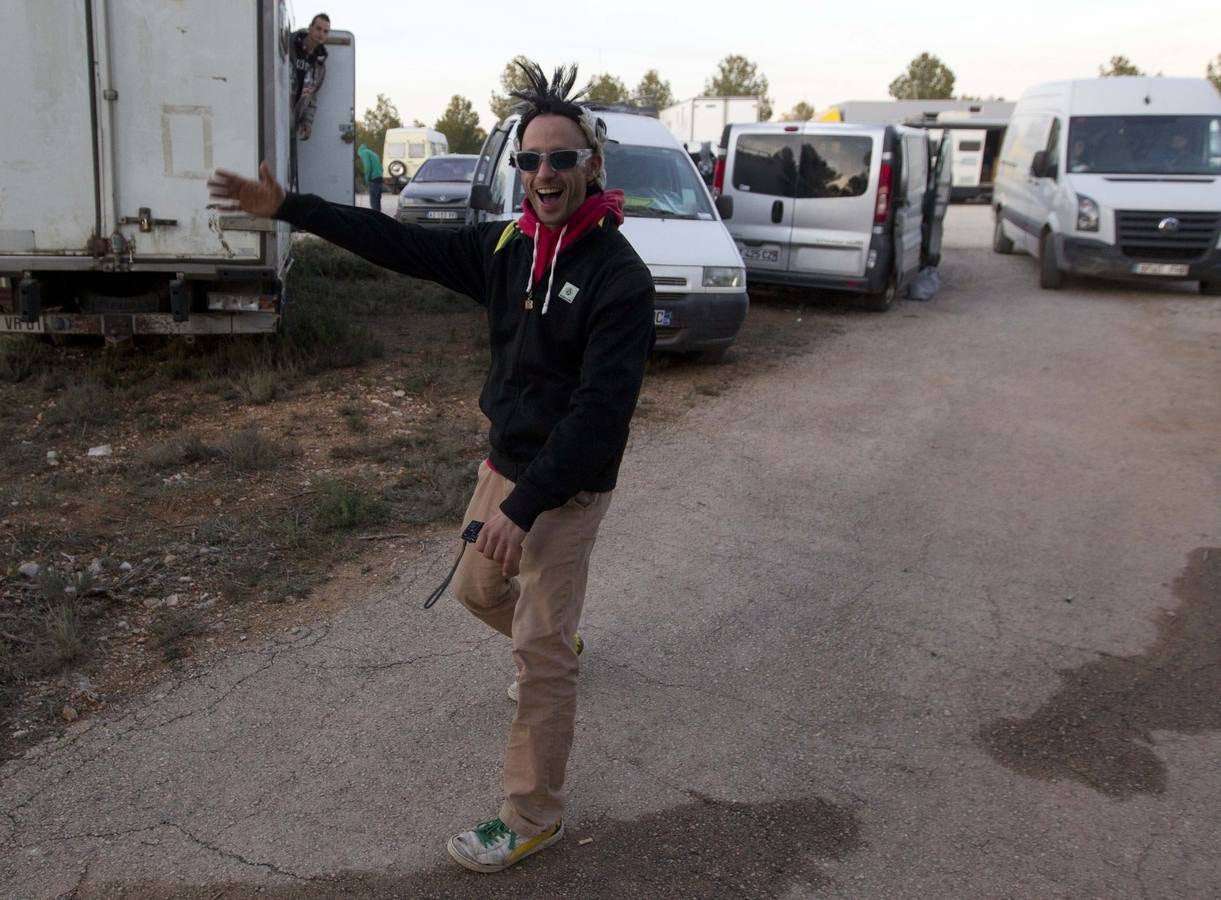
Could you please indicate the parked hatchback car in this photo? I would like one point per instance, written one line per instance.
(437, 196)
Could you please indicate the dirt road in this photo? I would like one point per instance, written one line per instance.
(930, 611)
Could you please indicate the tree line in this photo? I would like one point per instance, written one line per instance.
(926, 78)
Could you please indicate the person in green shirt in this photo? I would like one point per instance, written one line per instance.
(373, 175)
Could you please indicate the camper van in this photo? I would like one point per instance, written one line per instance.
(669, 219)
(850, 207)
(405, 149)
(1114, 177)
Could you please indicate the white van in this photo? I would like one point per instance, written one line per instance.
(850, 207)
(1114, 177)
(669, 219)
(405, 149)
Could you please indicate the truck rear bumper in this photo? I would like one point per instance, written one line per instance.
(123, 326)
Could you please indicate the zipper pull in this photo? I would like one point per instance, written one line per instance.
(529, 302)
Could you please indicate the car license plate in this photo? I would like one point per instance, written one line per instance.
(762, 254)
(1160, 268)
(14, 323)
(441, 214)
(661, 317)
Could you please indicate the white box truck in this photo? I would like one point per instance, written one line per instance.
(700, 120)
(114, 118)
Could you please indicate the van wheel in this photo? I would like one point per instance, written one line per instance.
(1000, 243)
(1050, 276)
(884, 299)
(1211, 288)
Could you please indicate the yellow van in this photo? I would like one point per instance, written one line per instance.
(406, 148)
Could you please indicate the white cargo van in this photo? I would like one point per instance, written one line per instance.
(669, 219)
(850, 207)
(1114, 177)
(405, 149)
(113, 121)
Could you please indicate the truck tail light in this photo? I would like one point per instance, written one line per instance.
(718, 177)
(881, 212)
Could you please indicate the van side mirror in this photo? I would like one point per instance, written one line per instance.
(481, 198)
(724, 206)
(1043, 165)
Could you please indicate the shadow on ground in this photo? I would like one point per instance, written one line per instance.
(702, 849)
(1098, 728)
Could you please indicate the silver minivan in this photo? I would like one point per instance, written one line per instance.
(852, 207)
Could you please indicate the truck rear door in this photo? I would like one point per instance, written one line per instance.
(181, 98)
(326, 162)
(49, 201)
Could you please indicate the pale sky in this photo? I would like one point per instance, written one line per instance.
(420, 54)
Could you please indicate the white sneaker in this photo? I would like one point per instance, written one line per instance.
(578, 645)
(491, 846)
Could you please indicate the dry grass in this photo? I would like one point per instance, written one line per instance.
(181, 449)
(172, 630)
(249, 450)
(88, 402)
(21, 357)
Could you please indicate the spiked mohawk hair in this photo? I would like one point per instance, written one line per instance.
(543, 97)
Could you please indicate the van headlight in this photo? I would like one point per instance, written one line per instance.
(1087, 214)
(724, 276)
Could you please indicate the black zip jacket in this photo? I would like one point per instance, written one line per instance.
(562, 387)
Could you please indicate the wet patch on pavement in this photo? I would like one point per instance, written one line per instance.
(703, 849)
(1098, 728)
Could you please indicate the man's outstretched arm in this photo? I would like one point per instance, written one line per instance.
(454, 259)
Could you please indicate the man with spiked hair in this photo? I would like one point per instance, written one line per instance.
(570, 320)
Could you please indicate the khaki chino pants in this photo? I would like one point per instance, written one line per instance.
(539, 610)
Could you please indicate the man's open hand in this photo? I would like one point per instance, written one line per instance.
(233, 193)
(500, 540)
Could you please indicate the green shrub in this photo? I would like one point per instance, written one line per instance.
(340, 507)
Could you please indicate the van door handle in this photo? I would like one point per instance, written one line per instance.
(777, 211)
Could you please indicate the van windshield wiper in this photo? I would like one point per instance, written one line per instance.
(655, 212)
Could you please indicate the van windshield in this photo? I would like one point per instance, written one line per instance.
(656, 182)
(1145, 145)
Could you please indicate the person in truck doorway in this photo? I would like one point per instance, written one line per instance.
(570, 321)
(308, 54)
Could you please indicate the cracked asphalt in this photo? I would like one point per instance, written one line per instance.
(931, 611)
